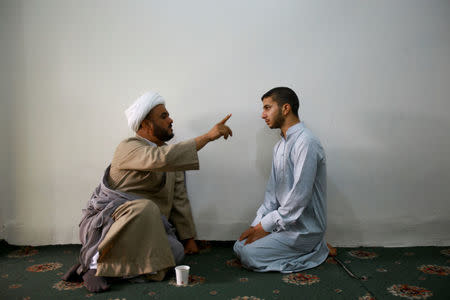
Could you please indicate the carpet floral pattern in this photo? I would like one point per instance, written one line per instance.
(193, 281)
(434, 269)
(382, 273)
(410, 292)
(44, 267)
(301, 279)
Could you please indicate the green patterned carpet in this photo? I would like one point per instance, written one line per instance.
(385, 273)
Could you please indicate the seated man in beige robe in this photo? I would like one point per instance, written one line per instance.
(137, 216)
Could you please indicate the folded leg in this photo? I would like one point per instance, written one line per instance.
(136, 243)
(272, 253)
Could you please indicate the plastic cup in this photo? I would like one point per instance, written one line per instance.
(182, 275)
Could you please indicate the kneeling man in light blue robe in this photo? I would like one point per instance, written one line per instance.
(288, 232)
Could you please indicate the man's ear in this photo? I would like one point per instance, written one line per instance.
(146, 124)
(286, 109)
(150, 125)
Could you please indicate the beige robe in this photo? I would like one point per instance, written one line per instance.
(137, 242)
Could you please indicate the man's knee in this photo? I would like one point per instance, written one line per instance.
(145, 207)
(248, 251)
(248, 254)
(243, 252)
(237, 248)
(136, 209)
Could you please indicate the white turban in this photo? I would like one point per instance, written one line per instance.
(137, 112)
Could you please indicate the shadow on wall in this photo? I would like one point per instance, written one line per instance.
(342, 220)
(266, 139)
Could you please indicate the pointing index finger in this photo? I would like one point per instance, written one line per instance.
(225, 119)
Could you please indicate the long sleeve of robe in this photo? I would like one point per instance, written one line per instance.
(181, 214)
(156, 173)
(138, 154)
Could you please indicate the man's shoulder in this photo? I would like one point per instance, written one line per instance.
(134, 140)
(308, 140)
(307, 136)
(131, 143)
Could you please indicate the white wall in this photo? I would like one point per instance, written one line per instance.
(373, 78)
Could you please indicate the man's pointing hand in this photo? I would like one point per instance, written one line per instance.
(220, 129)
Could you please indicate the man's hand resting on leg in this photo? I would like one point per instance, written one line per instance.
(253, 234)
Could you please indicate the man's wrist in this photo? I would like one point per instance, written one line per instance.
(202, 140)
(267, 223)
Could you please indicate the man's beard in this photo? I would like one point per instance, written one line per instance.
(278, 121)
(161, 133)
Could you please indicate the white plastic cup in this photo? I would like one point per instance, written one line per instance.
(182, 275)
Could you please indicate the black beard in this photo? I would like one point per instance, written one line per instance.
(161, 133)
(278, 122)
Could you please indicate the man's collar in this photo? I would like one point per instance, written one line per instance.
(142, 138)
(293, 129)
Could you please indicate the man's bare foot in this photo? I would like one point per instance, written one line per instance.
(95, 284)
(332, 250)
(190, 247)
(72, 275)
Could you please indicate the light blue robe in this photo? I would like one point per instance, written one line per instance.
(294, 208)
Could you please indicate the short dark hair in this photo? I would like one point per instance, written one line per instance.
(147, 117)
(283, 95)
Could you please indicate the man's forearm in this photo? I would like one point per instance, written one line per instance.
(201, 141)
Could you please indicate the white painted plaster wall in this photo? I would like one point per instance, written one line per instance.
(373, 78)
